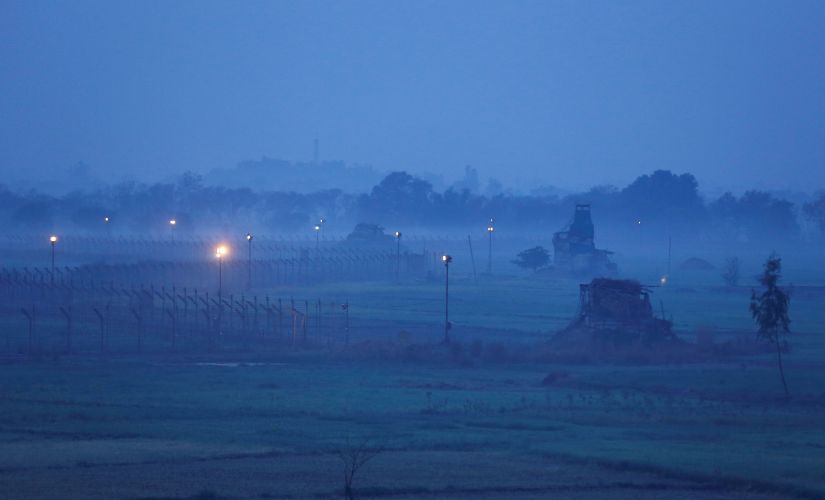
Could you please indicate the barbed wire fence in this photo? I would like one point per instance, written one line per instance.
(132, 294)
(39, 318)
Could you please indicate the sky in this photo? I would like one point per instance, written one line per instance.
(570, 94)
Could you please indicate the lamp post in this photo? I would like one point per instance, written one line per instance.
(317, 241)
(321, 223)
(490, 229)
(345, 307)
(52, 241)
(446, 259)
(249, 271)
(220, 252)
(397, 255)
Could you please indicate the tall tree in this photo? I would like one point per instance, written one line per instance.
(663, 198)
(770, 310)
(730, 271)
(815, 210)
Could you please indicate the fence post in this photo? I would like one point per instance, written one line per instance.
(174, 327)
(102, 328)
(30, 317)
(67, 313)
(139, 319)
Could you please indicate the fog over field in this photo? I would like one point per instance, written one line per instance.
(462, 250)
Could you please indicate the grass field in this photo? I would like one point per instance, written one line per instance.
(269, 424)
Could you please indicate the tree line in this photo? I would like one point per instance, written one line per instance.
(661, 200)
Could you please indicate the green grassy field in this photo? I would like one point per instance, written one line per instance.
(178, 428)
(269, 424)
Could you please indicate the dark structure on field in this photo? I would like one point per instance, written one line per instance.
(574, 248)
(622, 307)
(372, 238)
(369, 235)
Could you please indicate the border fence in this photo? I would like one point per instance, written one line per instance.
(235, 274)
(40, 318)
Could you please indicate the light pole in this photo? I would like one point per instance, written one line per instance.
(172, 224)
(345, 307)
(317, 241)
(249, 271)
(397, 255)
(52, 241)
(490, 229)
(220, 252)
(321, 223)
(446, 259)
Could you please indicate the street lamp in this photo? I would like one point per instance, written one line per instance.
(106, 219)
(220, 253)
(172, 224)
(52, 241)
(490, 229)
(317, 230)
(249, 271)
(446, 259)
(345, 308)
(397, 254)
(320, 227)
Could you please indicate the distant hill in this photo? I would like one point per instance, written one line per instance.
(269, 174)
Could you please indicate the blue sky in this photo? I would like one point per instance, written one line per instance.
(564, 93)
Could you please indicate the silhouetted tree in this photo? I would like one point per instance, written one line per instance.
(815, 210)
(756, 215)
(398, 197)
(663, 198)
(354, 457)
(730, 271)
(770, 310)
(533, 258)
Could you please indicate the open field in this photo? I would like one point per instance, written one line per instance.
(181, 427)
(266, 421)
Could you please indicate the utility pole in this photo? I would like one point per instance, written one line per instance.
(446, 259)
